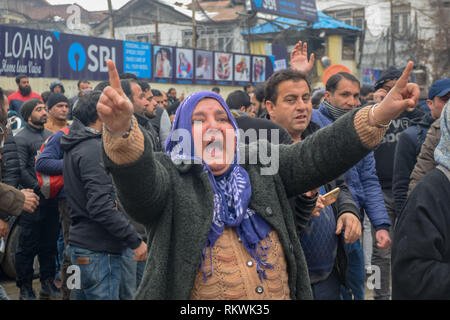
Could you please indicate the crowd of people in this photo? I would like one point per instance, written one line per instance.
(154, 196)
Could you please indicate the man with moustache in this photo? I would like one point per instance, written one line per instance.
(23, 93)
(38, 232)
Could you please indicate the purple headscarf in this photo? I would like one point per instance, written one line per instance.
(232, 190)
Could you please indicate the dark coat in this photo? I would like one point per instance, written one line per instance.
(96, 223)
(175, 203)
(29, 141)
(421, 244)
(10, 162)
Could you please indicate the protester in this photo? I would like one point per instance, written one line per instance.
(367, 94)
(425, 159)
(38, 232)
(411, 140)
(216, 90)
(57, 87)
(248, 88)
(324, 249)
(384, 163)
(158, 115)
(240, 101)
(83, 86)
(50, 163)
(58, 110)
(421, 249)
(185, 245)
(341, 96)
(257, 101)
(23, 94)
(99, 233)
(173, 101)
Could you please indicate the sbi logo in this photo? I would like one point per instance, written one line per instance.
(95, 58)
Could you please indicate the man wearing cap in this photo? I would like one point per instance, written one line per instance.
(411, 140)
(58, 109)
(384, 161)
(38, 232)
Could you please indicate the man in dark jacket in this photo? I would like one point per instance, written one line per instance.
(39, 231)
(319, 236)
(384, 159)
(99, 233)
(134, 92)
(411, 140)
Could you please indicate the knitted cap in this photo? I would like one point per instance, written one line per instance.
(55, 98)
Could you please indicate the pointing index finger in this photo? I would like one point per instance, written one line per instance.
(403, 80)
(114, 79)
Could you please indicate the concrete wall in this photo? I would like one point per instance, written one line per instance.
(40, 85)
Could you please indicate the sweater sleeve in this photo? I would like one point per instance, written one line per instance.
(23, 151)
(141, 181)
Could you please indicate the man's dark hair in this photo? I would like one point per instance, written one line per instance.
(334, 80)
(127, 75)
(86, 110)
(259, 92)
(168, 91)
(156, 93)
(82, 81)
(45, 95)
(144, 85)
(216, 89)
(271, 88)
(237, 99)
(101, 86)
(247, 86)
(126, 87)
(20, 77)
(366, 89)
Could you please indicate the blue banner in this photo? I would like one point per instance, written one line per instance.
(137, 59)
(30, 52)
(85, 57)
(295, 9)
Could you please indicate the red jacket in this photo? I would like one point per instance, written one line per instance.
(17, 99)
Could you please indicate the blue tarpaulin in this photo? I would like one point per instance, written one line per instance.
(282, 23)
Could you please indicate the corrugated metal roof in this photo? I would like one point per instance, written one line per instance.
(282, 23)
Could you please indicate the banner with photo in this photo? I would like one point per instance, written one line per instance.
(163, 63)
(242, 68)
(223, 68)
(31, 52)
(184, 65)
(204, 67)
(259, 68)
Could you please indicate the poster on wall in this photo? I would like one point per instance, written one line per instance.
(223, 67)
(137, 59)
(241, 68)
(258, 69)
(162, 60)
(84, 57)
(184, 65)
(30, 52)
(203, 67)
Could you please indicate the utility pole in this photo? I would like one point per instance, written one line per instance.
(156, 26)
(111, 22)
(194, 25)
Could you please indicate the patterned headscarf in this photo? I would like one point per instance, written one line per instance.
(442, 151)
(232, 190)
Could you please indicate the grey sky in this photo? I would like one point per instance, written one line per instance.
(92, 5)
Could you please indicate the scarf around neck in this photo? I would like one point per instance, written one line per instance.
(335, 112)
(232, 190)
